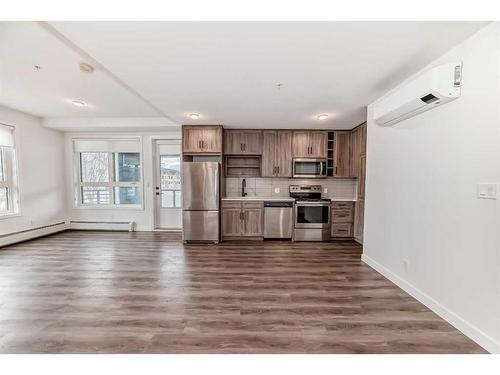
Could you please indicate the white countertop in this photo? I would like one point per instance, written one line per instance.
(286, 199)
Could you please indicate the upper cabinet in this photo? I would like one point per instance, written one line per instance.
(277, 153)
(342, 153)
(355, 151)
(309, 144)
(242, 142)
(202, 139)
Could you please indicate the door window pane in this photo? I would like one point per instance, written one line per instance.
(94, 166)
(96, 195)
(126, 195)
(128, 167)
(170, 184)
(4, 199)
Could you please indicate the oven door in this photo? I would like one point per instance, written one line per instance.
(309, 168)
(312, 215)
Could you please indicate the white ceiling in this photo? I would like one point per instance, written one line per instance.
(226, 71)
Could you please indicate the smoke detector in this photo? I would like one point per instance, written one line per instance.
(86, 68)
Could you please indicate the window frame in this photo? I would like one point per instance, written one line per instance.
(111, 184)
(10, 173)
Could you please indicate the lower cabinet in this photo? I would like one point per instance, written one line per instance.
(242, 219)
(359, 219)
(342, 219)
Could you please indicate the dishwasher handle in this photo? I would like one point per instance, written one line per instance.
(278, 204)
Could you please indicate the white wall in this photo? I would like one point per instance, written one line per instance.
(41, 173)
(421, 203)
(143, 218)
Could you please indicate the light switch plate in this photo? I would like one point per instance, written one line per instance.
(325, 190)
(487, 190)
(277, 190)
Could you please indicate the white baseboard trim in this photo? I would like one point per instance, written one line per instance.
(103, 225)
(468, 329)
(29, 234)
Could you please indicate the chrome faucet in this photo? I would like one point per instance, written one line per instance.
(243, 188)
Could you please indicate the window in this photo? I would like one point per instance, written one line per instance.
(108, 177)
(8, 185)
(170, 173)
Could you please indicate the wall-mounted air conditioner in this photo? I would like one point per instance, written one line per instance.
(432, 88)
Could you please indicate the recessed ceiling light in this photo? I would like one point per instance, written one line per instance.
(323, 116)
(78, 103)
(194, 116)
(86, 68)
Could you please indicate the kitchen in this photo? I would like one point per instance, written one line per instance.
(299, 185)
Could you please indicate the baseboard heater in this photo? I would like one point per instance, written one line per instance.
(31, 233)
(128, 226)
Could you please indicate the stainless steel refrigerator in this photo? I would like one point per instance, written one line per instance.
(200, 201)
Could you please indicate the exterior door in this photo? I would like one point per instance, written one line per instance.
(168, 199)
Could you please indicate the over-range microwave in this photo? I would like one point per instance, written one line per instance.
(309, 168)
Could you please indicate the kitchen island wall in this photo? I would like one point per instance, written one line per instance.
(337, 189)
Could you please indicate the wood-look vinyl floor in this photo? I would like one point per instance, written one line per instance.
(108, 292)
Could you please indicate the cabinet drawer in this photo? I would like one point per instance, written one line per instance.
(231, 204)
(342, 205)
(342, 216)
(342, 230)
(253, 204)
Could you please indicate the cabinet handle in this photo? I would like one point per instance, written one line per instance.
(244, 146)
(278, 169)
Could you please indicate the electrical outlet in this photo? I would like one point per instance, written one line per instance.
(276, 190)
(406, 265)
(487, 191)
(325, 190)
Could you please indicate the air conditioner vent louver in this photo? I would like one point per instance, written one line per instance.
(429, 98)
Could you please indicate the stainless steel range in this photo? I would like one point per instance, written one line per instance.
(312, 213)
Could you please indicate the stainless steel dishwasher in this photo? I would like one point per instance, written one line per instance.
(278, 219)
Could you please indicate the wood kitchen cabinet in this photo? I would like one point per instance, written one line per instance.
(358, 169)
(202, 139)
(342, 154)
(342, 219)
(242, 218)
(231, 221)
(309, 144)
(243, 142)
(355, 151)
(276, 153)
(359, 219)
(362, 177)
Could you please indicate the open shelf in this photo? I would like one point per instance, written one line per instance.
(243, 166)
(330, 168)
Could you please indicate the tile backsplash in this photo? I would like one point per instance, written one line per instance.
(337, 189)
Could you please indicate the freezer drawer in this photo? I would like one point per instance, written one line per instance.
(201, 226)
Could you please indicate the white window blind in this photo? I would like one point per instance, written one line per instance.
(6, 136)
(107, 145)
